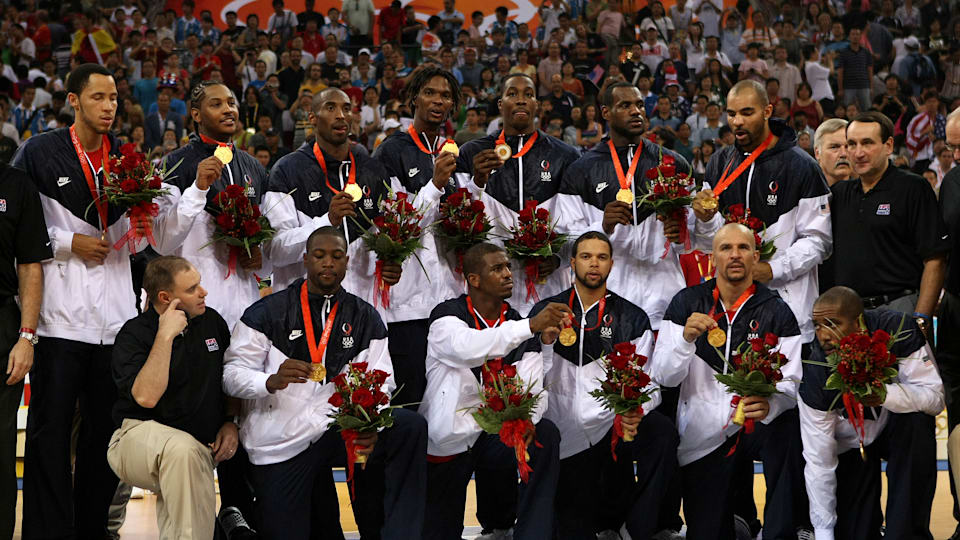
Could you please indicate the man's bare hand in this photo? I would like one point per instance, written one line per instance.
(290, 372)
(483, 164)
(762, 271)
(671, 228)
(253, 261)
(443, 167)
(697, 324)
(19, 362)
(616, 213)
(341, 206)
(755, 407)
(704, 214)
(208, 172)
(630, 422)
(391, 273)
(90, 249)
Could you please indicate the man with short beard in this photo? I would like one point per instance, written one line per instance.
(781, 185)
(603, 321)
(736, 308)
(830, 149)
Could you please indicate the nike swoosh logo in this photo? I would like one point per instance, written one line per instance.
(62, 181)
(314, 195)
(601, 186)
(295, 334)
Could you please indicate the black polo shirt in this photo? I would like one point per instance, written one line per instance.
(23, 232)
(193, 401)
(950, 208)
(882, 237)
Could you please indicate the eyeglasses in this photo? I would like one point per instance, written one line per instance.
(952, 147)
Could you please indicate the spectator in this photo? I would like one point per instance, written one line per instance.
(760, 33)
(188, 24)
(358, 15)
(282, 21)
(787, 75)
(561, 101)
(916, 68)
(694, 45)
(659, 20)
(452, 22)
(941, 166)
(683, 145)
(272, 101)
(204, 62)
(470, 69)
(162, 120)
(663, 119)
(610, 22)
(649, 98)
(698, 116)
(412, 30)
(431, 42)
(208, 32)
(145, 90)
(389, 87)
(523, 66)
(309, 15)
(523, 40)
(589, 131)
(753, 67)
(805, 103)
(712, 128)
(818, 70)
(800, 124)
(391, 21)
(472, 129)
(920, 135)
(654, 50)
(731, 36)
(712, 52)
(951, 73)
(262, 153)
(549, 66)
(908, 15)
(497, 48)
(27, 118)
(331, 66)
(854, 72)
(291, 74)
(334, 26)
(509, 27)
(364, 73)
(570, 82)
(699, 164)
(633, 66)
(90, 42)
(355, 94)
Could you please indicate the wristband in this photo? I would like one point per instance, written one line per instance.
(923, 316)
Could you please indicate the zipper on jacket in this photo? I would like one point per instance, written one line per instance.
(520, 174)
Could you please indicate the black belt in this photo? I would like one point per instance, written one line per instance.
(873, 302)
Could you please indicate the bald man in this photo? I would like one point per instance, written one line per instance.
(712, 447)
(843, 486)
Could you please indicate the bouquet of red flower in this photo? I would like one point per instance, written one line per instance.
(861, 366)
(395, 238)
(624, 389)
(754, 371)
(462, 224)
(737, 213)
(239, 224)
(506, 410)
(361, 407)
(135, 182)
(534, 239)
(668, 196)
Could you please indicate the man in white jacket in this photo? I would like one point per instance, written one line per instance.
(465, 333)
(286, 427)
(844, 484)
(737, 309)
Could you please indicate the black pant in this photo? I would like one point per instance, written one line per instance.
(64, 374)
(407, 341)
(293, 497)
(584, 476)
(708, 483)
(948, 360)
(9, 404)
(447, 485)
(235, 490)
(496, 498)
(908, 444)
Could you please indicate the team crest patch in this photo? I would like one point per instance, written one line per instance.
(545, 173)
(883, 210)
(347, 338)
(754, 332)
(3, 205)
(212, 345)
(606, 331)
(772, 197)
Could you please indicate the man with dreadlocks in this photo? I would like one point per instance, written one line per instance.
(420, 162)
(210, 156)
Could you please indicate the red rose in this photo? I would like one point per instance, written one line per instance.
(630, 393)
(756, 345)
(464, 225)
(401, 196)
(526, 214)
(668, 160)
(658, 189)
(476, 206)
(382, 398)
(643, 379)
(668, 171)
(530, 203)
(220, 198)
(625, 348)
(225, 221)
(516, 400)
(496, 403)
(736, 210)
(130, 162)
(156, 182)
(541, 235)
(543, 214)
(363, 398)
(771, 339)
(251, 227)
(380, 222)
(652, 174)
(880, 336)
(359, 366)
(234, 191)
(128, 149)
(380, 376)
(340, 381)
(455, 199)
(393, 230)
(478, 226)
(129, 186)
(509, 371)
(495, 365)
(256, 211)
(336, 399)
(619, 362)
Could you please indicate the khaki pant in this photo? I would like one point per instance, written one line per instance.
(176, 467)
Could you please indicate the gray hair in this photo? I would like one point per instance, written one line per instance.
(826, 128)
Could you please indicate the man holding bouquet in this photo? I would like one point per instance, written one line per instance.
(280, 348)
(602, 319)
(467, 335)
(530, 166)
(705, 327)
(898, 425)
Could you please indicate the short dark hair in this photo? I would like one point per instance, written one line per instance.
(503, 83)
(753, 86)
(325, 231)
(473, 257)
(199, 92)
(845, 299)
(78, 78)
(422, 77)
(501, 10)
(876, 117)
(260, 147)
(591, 235)
(607, 100)
(161, 273)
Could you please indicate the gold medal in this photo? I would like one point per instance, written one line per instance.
(568, 336)
(503, 152)
(451, 147)
(224, 154)
(354, 191)
(717, 337)
(625, 196)
(318, 374)
(709, 203)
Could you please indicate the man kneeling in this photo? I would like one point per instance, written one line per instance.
(286, 428)
(844, 486)
(168, 366)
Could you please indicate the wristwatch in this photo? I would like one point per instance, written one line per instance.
(30, 335)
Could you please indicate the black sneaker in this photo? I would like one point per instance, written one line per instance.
(235, 527)
(956, 533)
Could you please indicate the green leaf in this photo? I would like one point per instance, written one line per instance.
(834, 382)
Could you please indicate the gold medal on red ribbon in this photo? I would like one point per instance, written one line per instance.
(625, 196)
(503, 152)
(568, 336)
(450, 147)
(224, 154)
(353, 191)
(709, 203)
(318, 373)
(717, 337)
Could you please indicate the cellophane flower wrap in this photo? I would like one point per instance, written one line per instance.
(533, 240)
(624, 389)
(462, 224)
(239, 224)
(862, 365)
(360, 406)
(135, 182)
(668, 194)
(396, 236)
(754, 370)
(506, 409)
(738, 213)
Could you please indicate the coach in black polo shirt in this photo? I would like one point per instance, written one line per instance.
(889, 240)
(23, 244)
(171, 413)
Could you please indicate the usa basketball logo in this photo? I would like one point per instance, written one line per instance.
(545, 173)
(772, 197)
(367, 201)
(606, 331)
(347, 338)
(754, 332)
